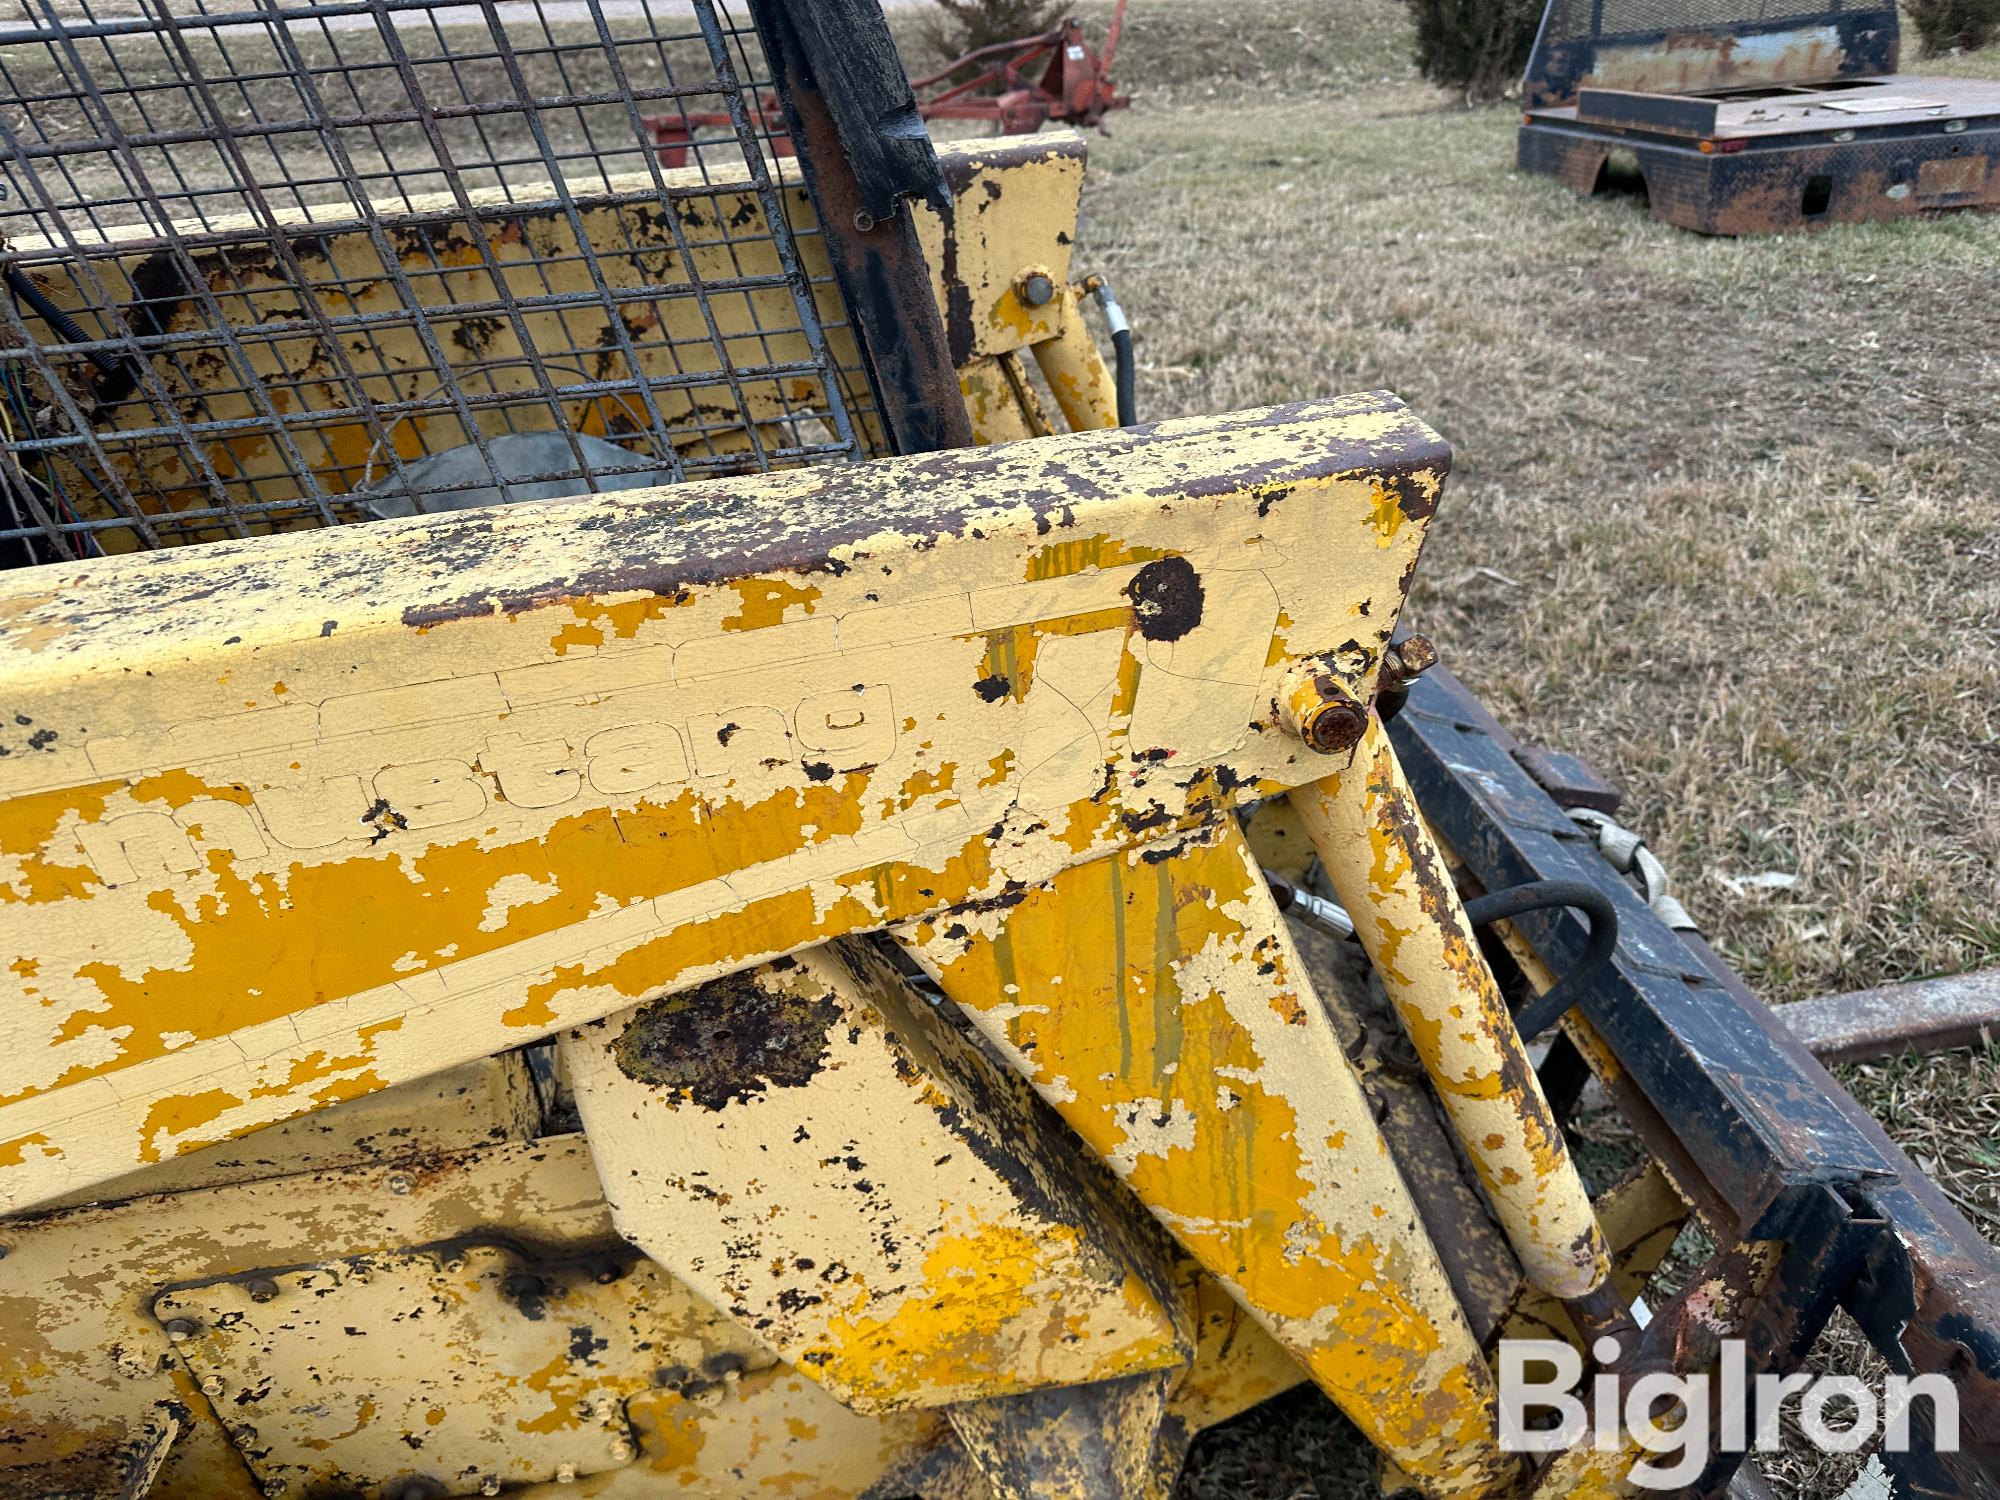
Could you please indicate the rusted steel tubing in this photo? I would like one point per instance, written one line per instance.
(1390, 875)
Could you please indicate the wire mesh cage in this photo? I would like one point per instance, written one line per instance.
(279, 263)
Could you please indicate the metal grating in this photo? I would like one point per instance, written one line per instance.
(274, 263)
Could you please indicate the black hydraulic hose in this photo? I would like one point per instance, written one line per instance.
(1121, 349)
(1542, 1012)
(66, 327)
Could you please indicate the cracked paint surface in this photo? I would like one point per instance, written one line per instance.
(238, 904)
(1154, 999)
(813, 1148)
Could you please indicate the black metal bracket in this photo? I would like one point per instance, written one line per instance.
(1782, 1147)
(865, 152)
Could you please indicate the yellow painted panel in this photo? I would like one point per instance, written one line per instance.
(292, 819)
(1156, 1001)
(815, 1150)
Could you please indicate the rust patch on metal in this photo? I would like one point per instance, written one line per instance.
(727, 1041)
(1166, 598)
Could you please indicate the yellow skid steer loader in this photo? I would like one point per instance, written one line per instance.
(648, 848)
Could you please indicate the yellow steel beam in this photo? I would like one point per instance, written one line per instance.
(1393, 880)
(1156, 1001)
(816, 1151)
(288, 820)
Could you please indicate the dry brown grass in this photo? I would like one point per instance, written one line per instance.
(1725, 518)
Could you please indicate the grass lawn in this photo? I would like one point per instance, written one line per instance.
(1725, 516)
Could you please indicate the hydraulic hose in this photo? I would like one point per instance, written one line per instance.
(66, 328)
(1121, 349)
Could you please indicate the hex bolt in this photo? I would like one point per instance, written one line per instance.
(1407, 660)
(1035, 288)
(399, 1183)
(211, 1385)
(489, 1484)
(621, 1450)
(565, 1473)
(263, 1289)
(1320, 710)
(180, 1330)
(273, 1486)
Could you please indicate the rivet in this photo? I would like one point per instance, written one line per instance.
(211, 1385)
(399, 1183)
(180, 1329)
(138, 1363)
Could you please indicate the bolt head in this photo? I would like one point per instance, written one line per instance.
(1036, 289)
(180, 1330)
(399, 1183)
(621, 1450)
(211, 1385)
(863, 220)
(1413, 656)
(565, 1473)
(273, 1486)
(489, 1485)
(1335, 724)
(263, 1289)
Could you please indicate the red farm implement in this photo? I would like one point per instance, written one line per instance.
(1020, 85)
